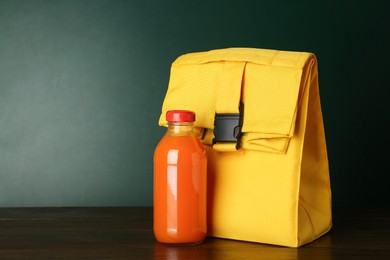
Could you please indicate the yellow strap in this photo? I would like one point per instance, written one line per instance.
(229, 96)
(229, 88)
(225, 147)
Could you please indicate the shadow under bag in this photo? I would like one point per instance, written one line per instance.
(259, 117)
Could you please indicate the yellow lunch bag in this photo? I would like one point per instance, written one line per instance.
(259, 117)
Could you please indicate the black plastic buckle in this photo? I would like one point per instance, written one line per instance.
(227, 128)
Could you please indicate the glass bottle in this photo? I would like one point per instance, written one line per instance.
(180, 166)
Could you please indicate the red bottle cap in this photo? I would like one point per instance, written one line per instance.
(180, 116)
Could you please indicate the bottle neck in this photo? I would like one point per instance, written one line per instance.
(180, 129)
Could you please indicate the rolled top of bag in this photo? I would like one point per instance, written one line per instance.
(267, 83)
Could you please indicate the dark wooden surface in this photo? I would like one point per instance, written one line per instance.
(126, 233)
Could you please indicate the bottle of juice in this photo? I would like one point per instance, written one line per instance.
(180, 166)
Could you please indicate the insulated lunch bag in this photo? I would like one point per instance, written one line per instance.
(259, 117)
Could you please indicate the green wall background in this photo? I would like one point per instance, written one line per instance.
(82, 83)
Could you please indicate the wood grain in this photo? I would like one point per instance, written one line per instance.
(126, 233)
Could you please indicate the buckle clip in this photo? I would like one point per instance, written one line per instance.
(227, 128)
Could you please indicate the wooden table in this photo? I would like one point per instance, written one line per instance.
(126, 233)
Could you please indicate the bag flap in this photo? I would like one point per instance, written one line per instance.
(270, 86)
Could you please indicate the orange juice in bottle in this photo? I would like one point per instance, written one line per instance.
(180, 166)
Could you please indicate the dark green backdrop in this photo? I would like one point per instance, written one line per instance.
(82, 83)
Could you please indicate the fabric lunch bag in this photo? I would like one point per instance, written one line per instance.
(259, 117)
